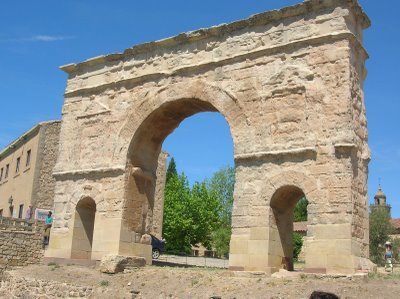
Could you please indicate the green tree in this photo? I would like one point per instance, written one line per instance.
(204, 210)
(190, 215)
(177, 224)
(297, 244)
(221, 186)
(300, 210)
(198, 215)
(396, 248)
(380, 228)
(220, 240)
(300, 214)
(171, 170)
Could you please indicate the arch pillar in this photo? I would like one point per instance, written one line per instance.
(256, 242)
(110, 236)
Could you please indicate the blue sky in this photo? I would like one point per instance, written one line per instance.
(36, 37)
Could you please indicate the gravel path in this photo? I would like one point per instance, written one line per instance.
(155, 282)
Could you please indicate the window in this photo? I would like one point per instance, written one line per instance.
(18, 163)
(28, 158)
(21, 211)
(1, 174)
(7, 169)
(1, 213)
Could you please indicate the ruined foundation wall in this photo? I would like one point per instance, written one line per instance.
(20, 243)
(15, 286)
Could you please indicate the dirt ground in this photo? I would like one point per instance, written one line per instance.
(172, 282)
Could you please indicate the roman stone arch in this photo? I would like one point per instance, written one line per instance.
(169, 108)
(290, 85)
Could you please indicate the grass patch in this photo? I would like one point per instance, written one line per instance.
(54, 266)
(104, 283)
(195, 281)
(387, 276)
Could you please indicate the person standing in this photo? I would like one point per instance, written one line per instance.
(47, 227)
(29, 212)
(388, 256)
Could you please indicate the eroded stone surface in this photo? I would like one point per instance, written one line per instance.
(115, 263)
(290, 85)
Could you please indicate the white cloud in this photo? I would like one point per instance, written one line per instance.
(39, 38)
(46, 38)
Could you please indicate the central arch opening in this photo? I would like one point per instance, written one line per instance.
(141, 211)
(283, 203)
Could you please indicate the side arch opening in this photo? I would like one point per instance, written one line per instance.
(82, 238)
(282, 204)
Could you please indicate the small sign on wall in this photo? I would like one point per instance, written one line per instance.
(14, 213)
(40, 214)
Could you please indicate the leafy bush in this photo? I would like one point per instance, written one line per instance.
(200, 214)
(300, 210)
(221, 238)
(297, 245)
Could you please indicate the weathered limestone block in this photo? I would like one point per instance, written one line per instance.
(145, 239)
(116, 263)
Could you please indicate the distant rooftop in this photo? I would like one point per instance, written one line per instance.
(32, 131)
(300, 226)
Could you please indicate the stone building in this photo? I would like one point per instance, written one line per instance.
(26, 167)
(380, 201)
(290, 85)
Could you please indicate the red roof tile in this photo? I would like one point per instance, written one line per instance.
(396, 223)
(300, 226)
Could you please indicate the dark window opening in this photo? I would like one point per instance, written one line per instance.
(21, 210)
(18, 163)
(28, 158)
(7, 169)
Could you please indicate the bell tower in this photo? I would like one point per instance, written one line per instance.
(380, 200)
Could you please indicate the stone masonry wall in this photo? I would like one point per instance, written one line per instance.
(14, 286)
(43, 192)
(158, 211)
(20, 243)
